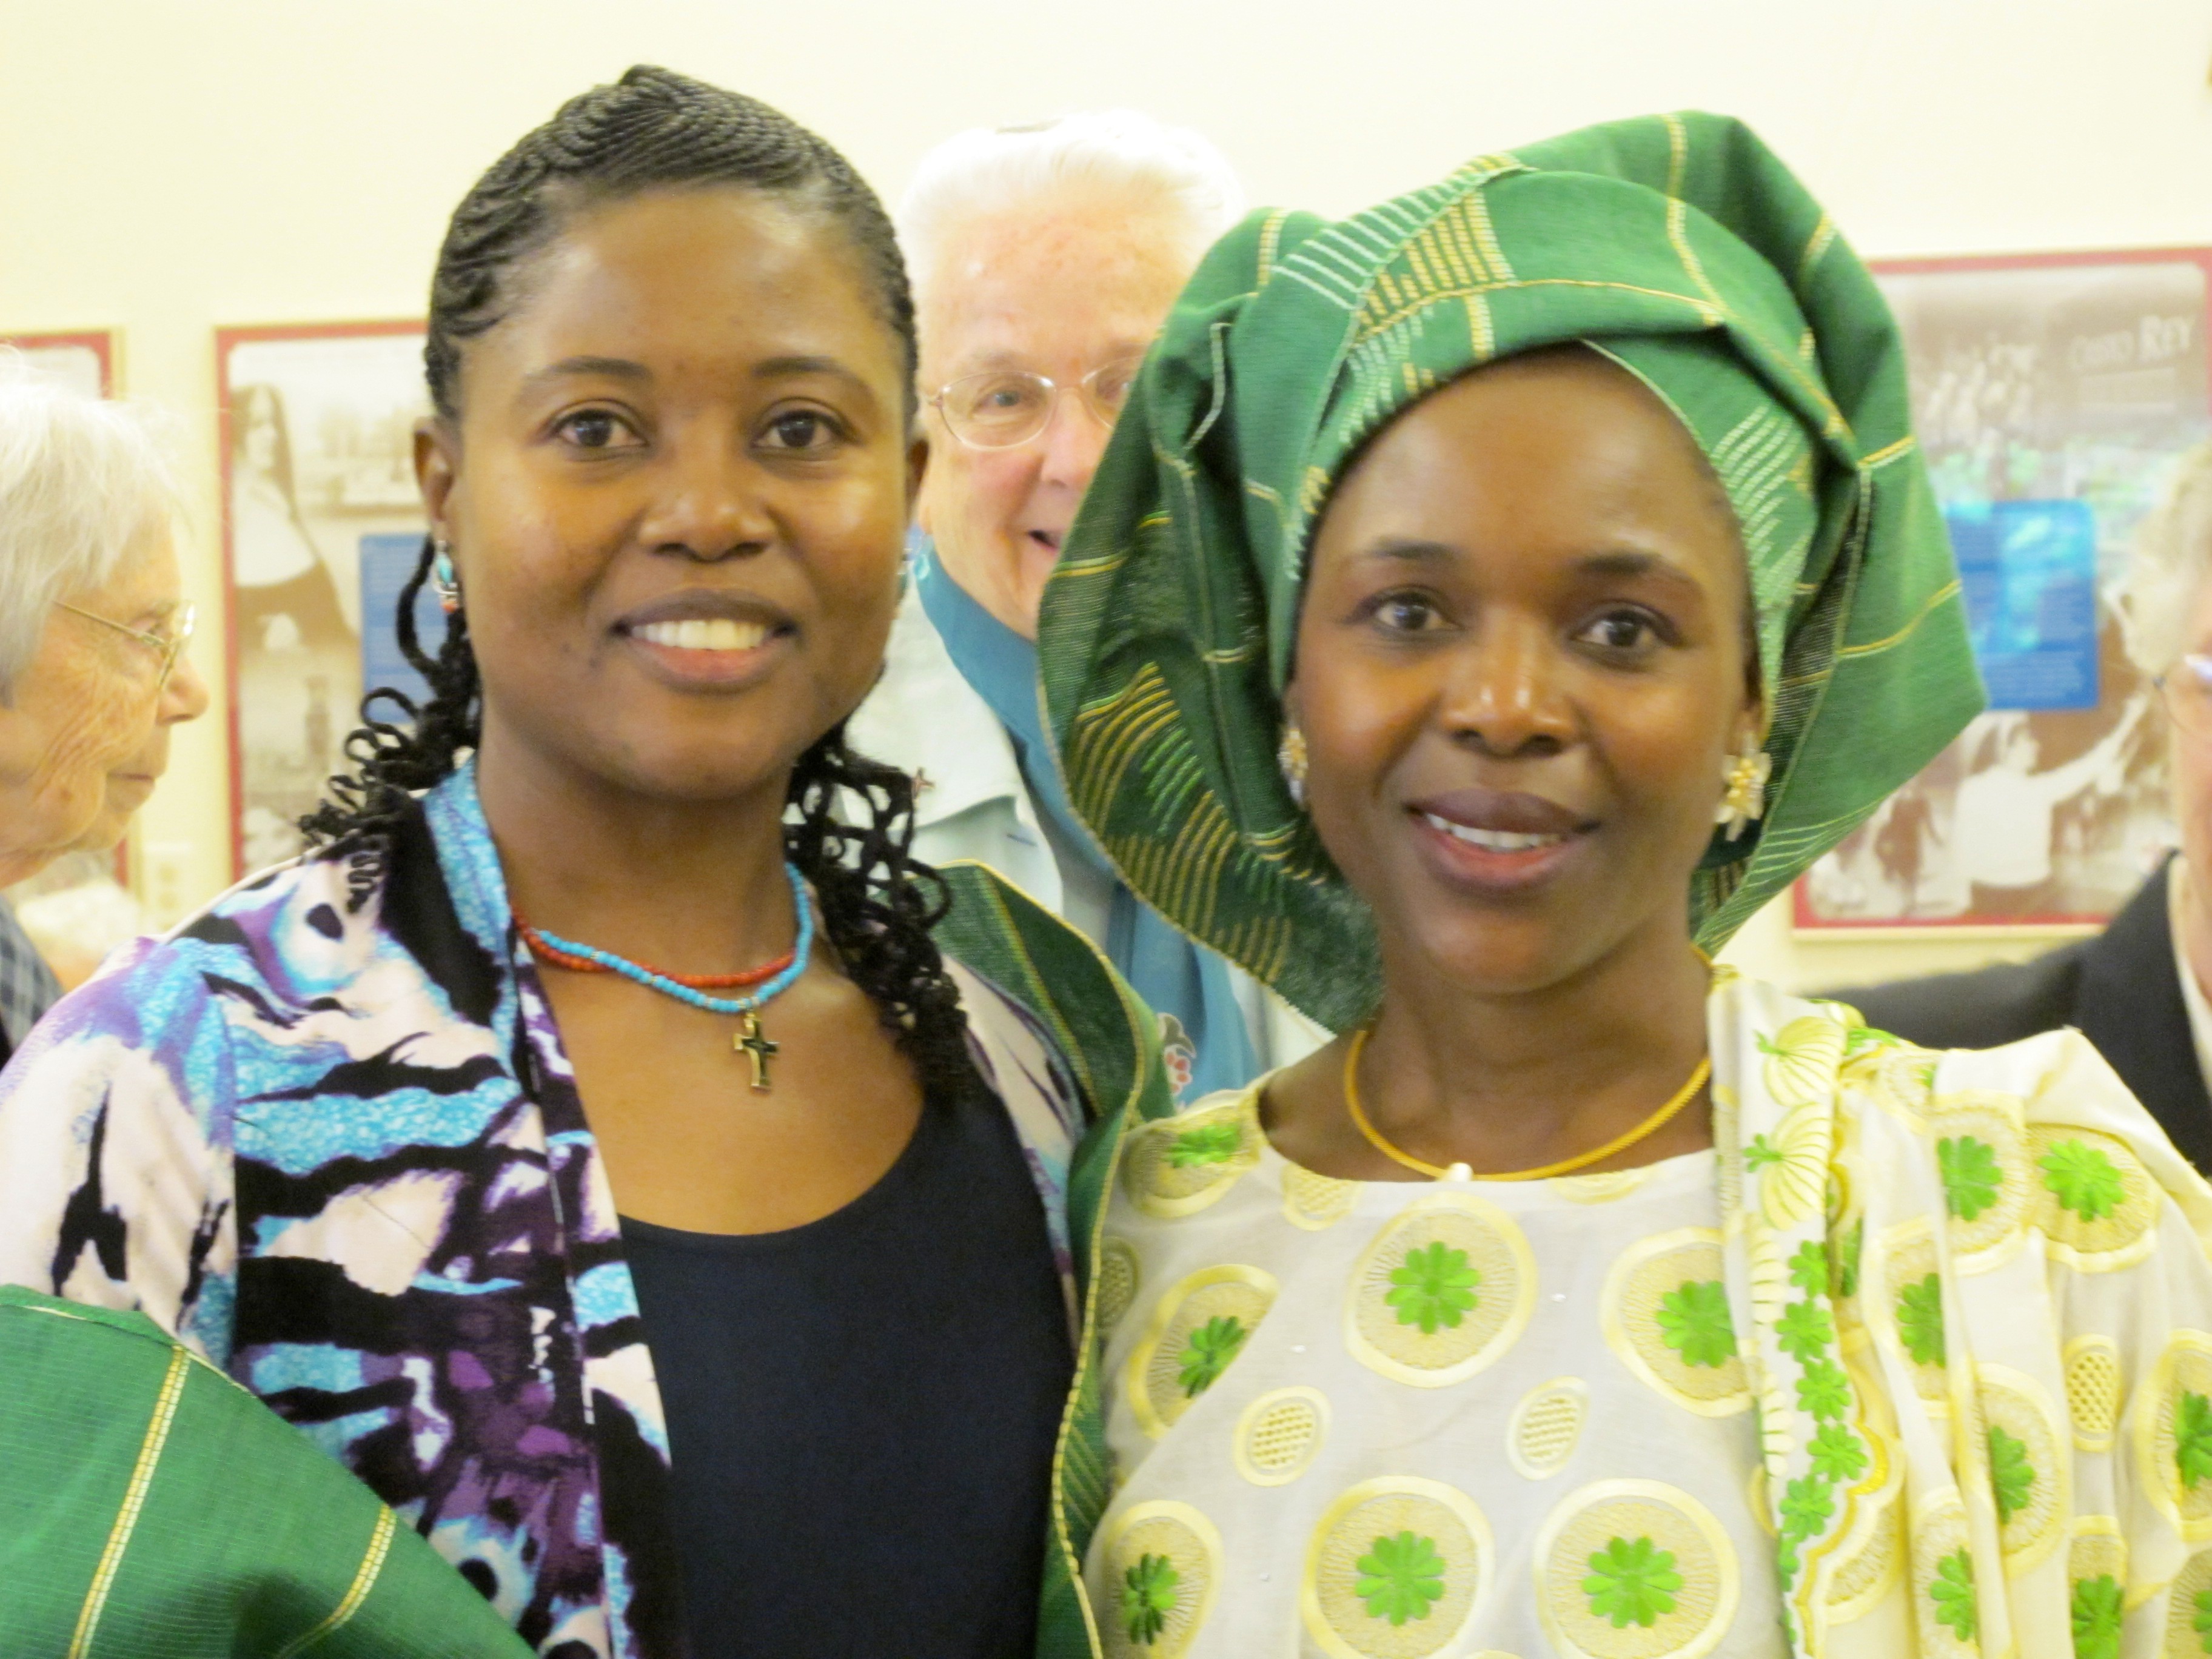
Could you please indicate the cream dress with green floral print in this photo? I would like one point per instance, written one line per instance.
(1917, 1360)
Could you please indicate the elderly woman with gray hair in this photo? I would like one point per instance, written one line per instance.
(93, 627)
(1043, 258)
(2136, 990)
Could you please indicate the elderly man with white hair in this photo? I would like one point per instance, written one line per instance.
(2139, 989)
(1044, 258)
(93, 627)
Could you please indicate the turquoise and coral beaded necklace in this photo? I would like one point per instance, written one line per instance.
(772, 978)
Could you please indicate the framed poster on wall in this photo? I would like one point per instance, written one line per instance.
(318, 425)
(2054, 395)
(84, 362)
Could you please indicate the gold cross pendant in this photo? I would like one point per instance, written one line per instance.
(751, 1041)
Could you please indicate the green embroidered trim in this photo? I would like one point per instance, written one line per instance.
(1632, 1583)
(1434, 1288)
(2192, 1438)
(1400, 1578)
(1694, 1321)
(2082, 1179)
(1920, 1320)
(1207, 1352)
(1971, 1174)
(1148, 1597)
(1952, 1590)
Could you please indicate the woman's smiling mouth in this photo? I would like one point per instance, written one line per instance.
(1489, 839)
(707, 638)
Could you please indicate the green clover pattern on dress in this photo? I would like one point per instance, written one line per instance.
(1401, 1578)
(1434, 1288)
(1805, 1330)
(2083, 1178)
(1632, 1583)
(2097, 1613)
(2202, 1624)
(1210, 1143)
(1694, 1321)
(1148, 1597)
(1920, 1320)
(2012, 1477)
(1952, 1590)
(2192, 1438)
(1207, 1352)
(1838, 1454)
(1971, 1174)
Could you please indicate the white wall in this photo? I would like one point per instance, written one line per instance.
(167, 166)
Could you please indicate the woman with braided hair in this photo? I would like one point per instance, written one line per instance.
(650, 1182)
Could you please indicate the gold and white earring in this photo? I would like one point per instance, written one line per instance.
(1290, 757)
(1744, 796)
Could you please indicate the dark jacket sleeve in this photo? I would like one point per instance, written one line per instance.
(1985, 1009)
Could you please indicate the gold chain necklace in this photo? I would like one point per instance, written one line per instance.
(1651, 1125)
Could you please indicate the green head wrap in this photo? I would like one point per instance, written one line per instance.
(1679, 246)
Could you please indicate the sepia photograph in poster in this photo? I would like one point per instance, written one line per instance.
(318, 460)
(2054, 396)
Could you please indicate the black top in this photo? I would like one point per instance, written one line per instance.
(862, 1411)
(2120, 990)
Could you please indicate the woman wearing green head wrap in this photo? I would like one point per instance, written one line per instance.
(1486, 602)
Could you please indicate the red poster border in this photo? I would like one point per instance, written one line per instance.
(226, 340)
(1802, 921)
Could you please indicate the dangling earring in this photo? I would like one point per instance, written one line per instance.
(1290, 757)
(444, 582)
(1744, 796)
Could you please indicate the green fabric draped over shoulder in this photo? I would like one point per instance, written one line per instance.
(1679, 246)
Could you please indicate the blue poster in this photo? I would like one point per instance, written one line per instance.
(2028, 570)
(386, 563)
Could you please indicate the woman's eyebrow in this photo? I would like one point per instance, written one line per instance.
(620, 369)
(1622, 564)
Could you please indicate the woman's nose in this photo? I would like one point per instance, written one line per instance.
(1073, 440)
(1507, 692)
(185, 696)
(711, 506)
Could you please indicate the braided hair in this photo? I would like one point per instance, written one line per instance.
(654, 129)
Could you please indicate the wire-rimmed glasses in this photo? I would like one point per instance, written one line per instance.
(1001, 408)
(167, 645)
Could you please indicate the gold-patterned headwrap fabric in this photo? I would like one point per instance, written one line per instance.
(1679, 246)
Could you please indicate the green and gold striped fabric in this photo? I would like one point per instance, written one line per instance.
(1678, 245)
(149, 1506)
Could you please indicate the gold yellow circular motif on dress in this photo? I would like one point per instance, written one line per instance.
(1657, 1289)
(2174, 1434)
(1942, 1558)
(2195, 1579)
(1546, 1427)
(1604, 1188)
(1279, 1435)
(2113, 1219)
(1315, 1201)
(1859, 1584)
(1635, 1548)
(2094, 1389)
(1898, 1079)
(1988, 1235)
(1118, 1279)
(2029, 1467)
(1163, 1566)
(1159, 1380)
(1391, 1295)
(1175, 1166)
(1396, 1569)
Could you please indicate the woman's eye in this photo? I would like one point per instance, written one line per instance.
(801, 429)
(593, 429)
(1407, 613)
(1621, 631)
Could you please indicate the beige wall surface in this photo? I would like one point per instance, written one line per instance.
(169, 165)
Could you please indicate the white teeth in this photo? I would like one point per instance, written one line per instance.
(1493, 840)
(705, 633)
